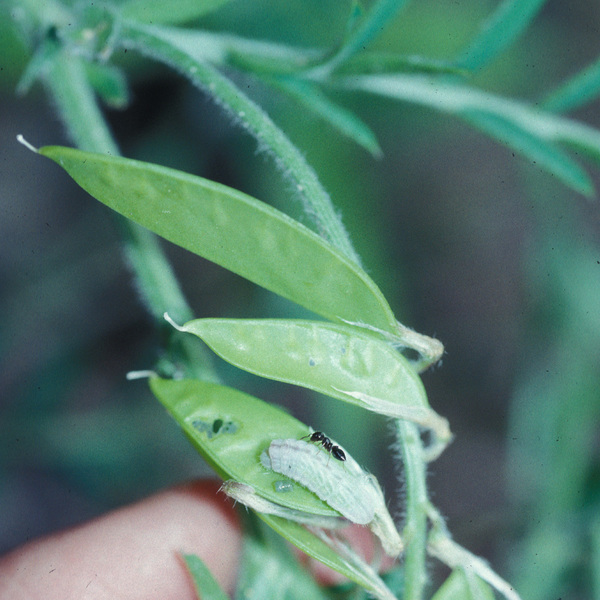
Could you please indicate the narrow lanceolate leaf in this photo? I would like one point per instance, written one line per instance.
(332, 554)
(346, 122)
(505, 25)
(268, 569)
(466, 103)
(578, 91)
(225, 49)
(372, 63)
(231, 429)
(464, 586)
(362, 32)
(442, 547)
(206, 585)
(336, 360)
(371, 25)
(159, 11)
(546, 155)
(233, 230)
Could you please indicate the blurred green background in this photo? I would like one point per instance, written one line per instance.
(468, 242)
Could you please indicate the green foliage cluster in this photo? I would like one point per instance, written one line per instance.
(360, 354)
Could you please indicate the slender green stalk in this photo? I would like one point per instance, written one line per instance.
(417, 504)
(75, 102)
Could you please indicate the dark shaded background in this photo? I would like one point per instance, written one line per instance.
(460, 234)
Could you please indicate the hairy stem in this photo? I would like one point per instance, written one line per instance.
(151, 41)
(415, 531)
(76, 104)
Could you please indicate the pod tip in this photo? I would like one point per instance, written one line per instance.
(25, 143)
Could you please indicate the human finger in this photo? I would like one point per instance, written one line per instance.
(133, 553)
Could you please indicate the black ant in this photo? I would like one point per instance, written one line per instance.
(320, 438)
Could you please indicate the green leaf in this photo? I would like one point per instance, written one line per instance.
(576, 92)
(174, 50)
(443, 547)
(225, 49)
(206, 585)
(462, 101)
(310, 544)
(371, 25)
(504, 26)
(230, 430)
(379, 63)
(463, 586)
(233, 230)
(161, 11)
(38, 64)
(544, 154)
(361, 34)
(109, 83)
(269, 570)
(346, 122)
(337, 360)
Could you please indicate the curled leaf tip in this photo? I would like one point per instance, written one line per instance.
(25, 143)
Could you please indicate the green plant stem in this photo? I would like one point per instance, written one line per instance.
(417, 504)
(150, 42)
(75, 102)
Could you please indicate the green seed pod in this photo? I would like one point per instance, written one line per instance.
(338, 360)
(233, 230)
